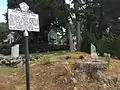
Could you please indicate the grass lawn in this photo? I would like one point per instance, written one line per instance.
(5, 70)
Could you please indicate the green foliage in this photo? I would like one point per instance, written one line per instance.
(45, 60)
(3, 31)
(116, 47)
(5, 70)
(96, 16)
(49, 11)
(53, 14)
(111, 45)
(107, 58)
(105, 45)
(108, 44)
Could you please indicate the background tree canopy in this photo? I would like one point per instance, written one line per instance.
(52, 14)
(97, 21)
(3, 31)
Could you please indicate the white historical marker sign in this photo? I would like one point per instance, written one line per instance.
(24, 6)
(22, 20)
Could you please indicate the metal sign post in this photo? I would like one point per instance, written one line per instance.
(27, 60)
(24, 20)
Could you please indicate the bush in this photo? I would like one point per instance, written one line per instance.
(110, 44)
(116, 47)
(5, 51)
(45, 60)
(105, 45)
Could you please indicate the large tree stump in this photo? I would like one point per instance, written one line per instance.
(91, 66)
(94, 70)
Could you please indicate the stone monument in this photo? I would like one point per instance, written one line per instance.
(14, 49)
(52, 37)
(94, 55)
(10, 38)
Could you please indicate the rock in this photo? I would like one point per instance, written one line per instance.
(1, 56)
(37, 74)
(67, 57)
(15, 74)
(81, 57)
(65, 79)
(3, 61)
(84, 76)
(20, 64)
(35, 57)
(118, 78)
(104, 86)
(75, 88)
(74, 80)
(11, 61)
(15, 62)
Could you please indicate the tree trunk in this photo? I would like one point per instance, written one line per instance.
(78, 24)
(69, 27)
(78, 36)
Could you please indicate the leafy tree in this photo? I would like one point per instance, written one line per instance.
(92, 19)
(3, 31)
(50, 11)
(54, 14)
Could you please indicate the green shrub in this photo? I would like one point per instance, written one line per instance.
(110, 44)
(45, 60)
(107, 58)
(116, 47)
(105, 45)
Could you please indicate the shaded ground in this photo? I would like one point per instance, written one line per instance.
(57, 72)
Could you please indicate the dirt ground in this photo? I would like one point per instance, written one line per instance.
(58, 75)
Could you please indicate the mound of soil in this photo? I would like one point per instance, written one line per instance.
(59, 75)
